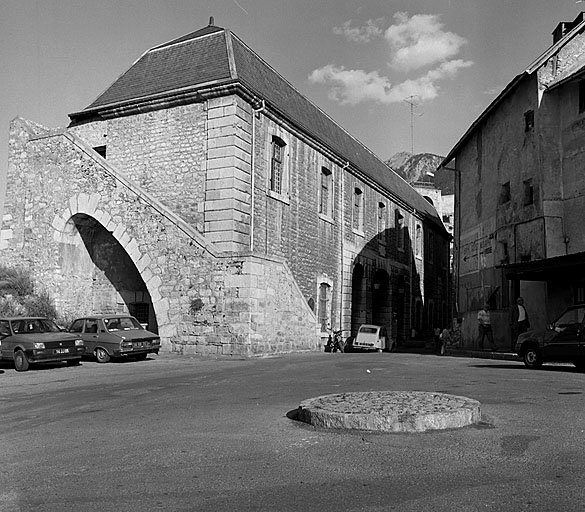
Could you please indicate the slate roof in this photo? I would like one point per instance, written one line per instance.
(216, 56)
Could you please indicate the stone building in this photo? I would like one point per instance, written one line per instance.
(520, 198)
(204, 194)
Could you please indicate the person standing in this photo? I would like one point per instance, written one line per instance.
(518, 321)
(485, 328)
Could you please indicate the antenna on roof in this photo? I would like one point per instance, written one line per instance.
(211, 21)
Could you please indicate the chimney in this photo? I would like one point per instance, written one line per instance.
(211, 21)
(564, 27)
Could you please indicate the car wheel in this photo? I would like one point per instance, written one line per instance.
(21, 363)
(532, 357)
(141, 357)
(73, 362)
(102, 355)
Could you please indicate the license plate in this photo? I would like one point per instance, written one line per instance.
(61, 351)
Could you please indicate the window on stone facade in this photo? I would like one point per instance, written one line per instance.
(418, 240)
(100, 150)
(326, 199)
(399, 227)
(382, 222)
(505, 193)
(139, 310)
(528, 193)
(358, 209)
(324, 306)
(581, 96)
(277, 164)
(431, 248)
(528, 120)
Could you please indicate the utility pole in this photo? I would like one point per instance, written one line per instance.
(411, 101)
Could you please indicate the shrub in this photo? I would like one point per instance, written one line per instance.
(18, 297)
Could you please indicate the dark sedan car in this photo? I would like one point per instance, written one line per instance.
(561, 341)
(27, 340)
(115, 336)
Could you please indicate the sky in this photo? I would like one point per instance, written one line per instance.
(399, 75)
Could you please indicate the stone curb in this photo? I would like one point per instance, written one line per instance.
(390, 411)
(481, 354)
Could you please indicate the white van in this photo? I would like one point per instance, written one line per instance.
(373, 337)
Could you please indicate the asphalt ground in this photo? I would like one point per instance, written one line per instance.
(185, 434)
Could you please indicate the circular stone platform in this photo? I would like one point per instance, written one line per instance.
(390, 411)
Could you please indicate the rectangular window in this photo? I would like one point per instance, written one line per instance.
(382, 221)
(418, 241)
(277, 164)
(528, 120)
(579, 294)
(505, 193)
(528, 193)
(358, 209)
(581, 96)
(326, 199)
(399, 227)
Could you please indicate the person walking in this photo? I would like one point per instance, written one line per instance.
(519, 322)
(485, 328)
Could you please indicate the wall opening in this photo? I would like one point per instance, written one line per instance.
(104, 277)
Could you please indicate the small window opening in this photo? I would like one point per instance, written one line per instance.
(277, 164)
(505, 193)
(100, 150)
(528, 193)
(528, 120)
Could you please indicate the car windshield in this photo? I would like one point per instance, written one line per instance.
(369, 330)
(33, 325)
(569, 318)
(122, 323)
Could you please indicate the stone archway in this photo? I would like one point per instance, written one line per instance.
(112, 283)
(102, 268)
(357, 299)
(381, 299)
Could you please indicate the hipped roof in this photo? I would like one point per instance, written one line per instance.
(214, 56)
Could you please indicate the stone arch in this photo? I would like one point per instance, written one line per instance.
(73, 230)
(381, 299)
(357, 298)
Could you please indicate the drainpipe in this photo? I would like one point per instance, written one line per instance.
(342, 221)
(255, 112)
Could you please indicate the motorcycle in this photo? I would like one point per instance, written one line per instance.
(335, 342)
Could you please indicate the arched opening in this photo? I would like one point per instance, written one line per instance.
(99, 275)
(357, 299)
(381, 299)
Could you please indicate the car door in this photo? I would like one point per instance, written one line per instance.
(91, 336)
(5, 334)
(566, 343)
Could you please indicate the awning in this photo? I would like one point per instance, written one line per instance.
(572, 265)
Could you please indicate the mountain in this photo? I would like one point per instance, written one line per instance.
(422, 167)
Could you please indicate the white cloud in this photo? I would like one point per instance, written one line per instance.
(363, 34)
(353, 86)
(415, 43)
(420, 41)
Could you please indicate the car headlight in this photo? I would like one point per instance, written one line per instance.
(39, 345)
(156, 341)
(79, 343)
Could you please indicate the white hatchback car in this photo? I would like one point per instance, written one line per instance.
(373, 337)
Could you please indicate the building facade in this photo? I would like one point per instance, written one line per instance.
(520, 193)
(204, 194)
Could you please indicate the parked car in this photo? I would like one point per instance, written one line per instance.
(28, 340)
(115, 336)
(373, 337)
(563, 341)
